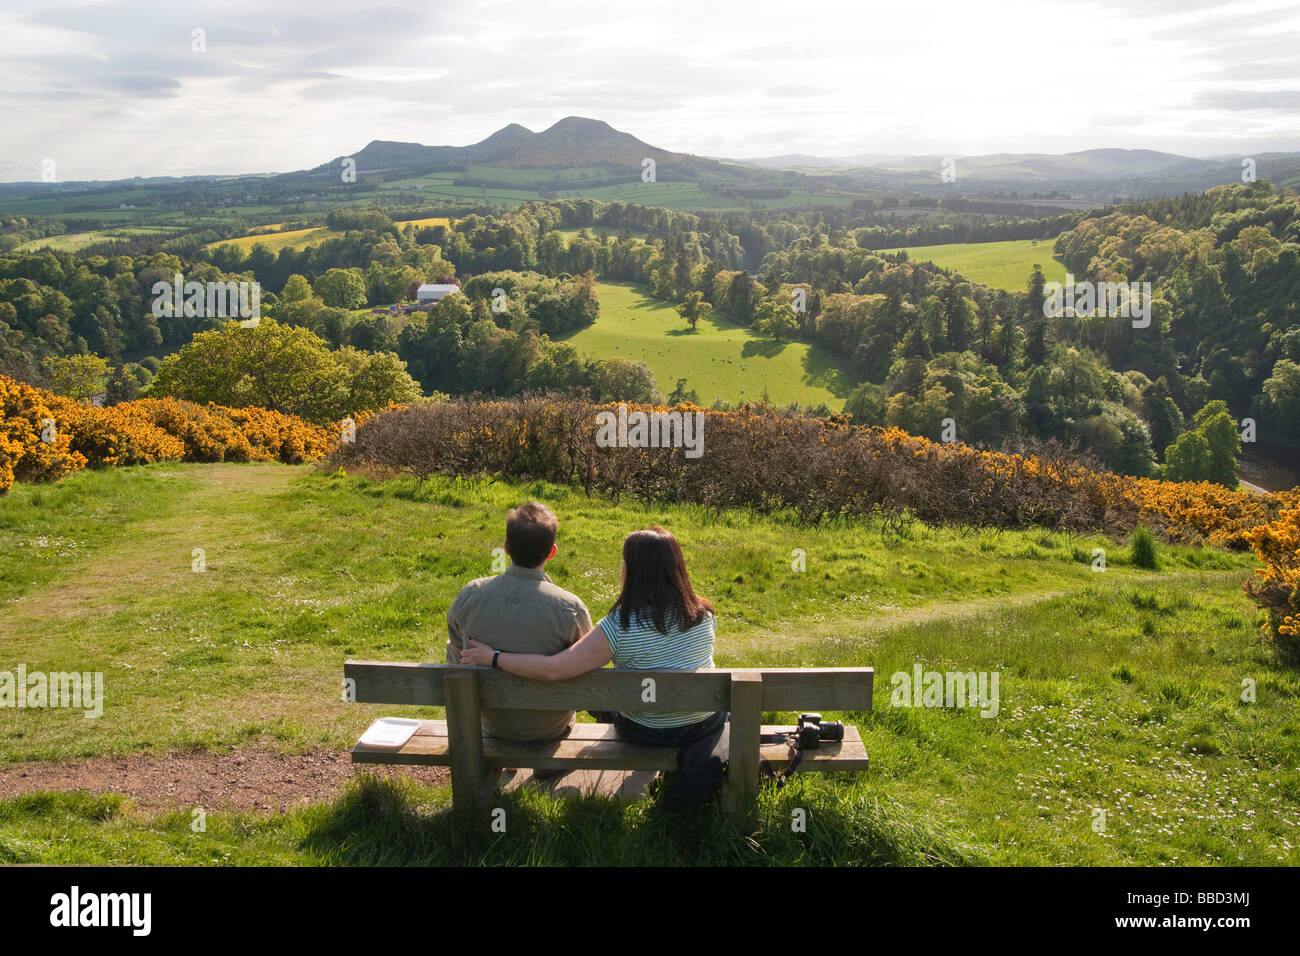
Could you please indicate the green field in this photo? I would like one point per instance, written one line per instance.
(720, 359)
(443, 187)
(545, 175)
(275, 241)
(1118, 691)
(999, 265)
(595, 231)
(423, 223)
(70, 242)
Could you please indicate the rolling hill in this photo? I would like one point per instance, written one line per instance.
(573, 141)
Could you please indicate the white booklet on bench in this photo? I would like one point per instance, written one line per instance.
(390, 732)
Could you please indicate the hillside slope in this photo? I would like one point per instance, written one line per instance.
(1117, 690)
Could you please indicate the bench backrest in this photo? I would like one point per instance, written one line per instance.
(783, 689)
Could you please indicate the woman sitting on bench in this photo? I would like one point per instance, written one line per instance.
(658, 622)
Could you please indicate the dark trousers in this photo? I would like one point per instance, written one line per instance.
(701, 753)
(636, 733)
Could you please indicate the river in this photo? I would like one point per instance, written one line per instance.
(1272, 468)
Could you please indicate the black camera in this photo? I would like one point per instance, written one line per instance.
(813, 730)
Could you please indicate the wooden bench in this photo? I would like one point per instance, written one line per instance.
(476, 761)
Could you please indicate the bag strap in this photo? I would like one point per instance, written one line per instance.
(796, 756)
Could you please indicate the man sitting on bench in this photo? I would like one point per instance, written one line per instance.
(522, 612)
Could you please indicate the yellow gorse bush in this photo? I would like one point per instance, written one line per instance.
(44, 436)
(1276, 587)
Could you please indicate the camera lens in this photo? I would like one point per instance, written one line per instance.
(832, 730)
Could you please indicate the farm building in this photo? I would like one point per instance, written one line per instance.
(430, 293)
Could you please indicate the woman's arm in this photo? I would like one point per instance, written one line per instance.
(588, 653)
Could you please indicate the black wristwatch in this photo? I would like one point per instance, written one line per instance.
(495, 655)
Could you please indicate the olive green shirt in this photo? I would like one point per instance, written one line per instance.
(519, 612)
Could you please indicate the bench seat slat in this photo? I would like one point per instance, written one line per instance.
(784, 689)
(596, 747)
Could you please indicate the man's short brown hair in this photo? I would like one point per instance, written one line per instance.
(530, 534)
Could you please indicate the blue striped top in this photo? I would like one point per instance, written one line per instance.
(643, 647)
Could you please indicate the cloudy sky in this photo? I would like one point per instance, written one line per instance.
(115, 89)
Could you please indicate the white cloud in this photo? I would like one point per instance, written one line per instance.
(115, 89)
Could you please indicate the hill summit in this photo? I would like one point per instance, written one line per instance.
(573, 141)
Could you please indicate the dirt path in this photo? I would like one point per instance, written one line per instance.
(245, 779)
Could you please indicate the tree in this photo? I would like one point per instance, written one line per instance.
(296, 288)
(284, 368)
(1036, 341)
(867, 404)
(374, 379)
(1120, 439)
(560, 367)
(1209, 451)
(622, 380)
(76, 376)
(332, 325)
(958, 314)
(122, 386)
(776, 319)
(681, 396)
(1220, 431)
(1282, 395)
(1035, 296)
(915, 345)
(743, 295)
(1161, 414)
(694, 308)
(1188, 458)
(342, 288)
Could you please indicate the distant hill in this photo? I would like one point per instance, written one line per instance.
(605, 157)
(1091, 163)
(1110, 163)
(573, 141)
(587, 158)
(804, 161)
(1097, 173)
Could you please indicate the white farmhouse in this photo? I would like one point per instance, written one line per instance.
(430, 293)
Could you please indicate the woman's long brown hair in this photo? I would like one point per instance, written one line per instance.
(657, 584)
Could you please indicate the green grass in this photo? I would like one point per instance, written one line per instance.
(999, 265)
(446, 189)
(541, 176)
(720, 359)
(1119, 690)
(275, 241)
(394, 822)
(70, 242)
(594, 232)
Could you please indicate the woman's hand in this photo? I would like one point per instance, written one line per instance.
(477, 654)
(588, 653)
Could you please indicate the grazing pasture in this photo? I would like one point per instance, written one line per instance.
(719, 359)
(999, 265)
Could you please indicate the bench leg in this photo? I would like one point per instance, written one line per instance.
(465, 742)
(489, 784)
(742, 756)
